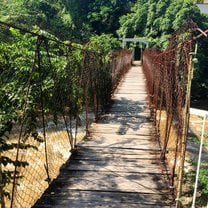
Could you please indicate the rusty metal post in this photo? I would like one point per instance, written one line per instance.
(185, 130)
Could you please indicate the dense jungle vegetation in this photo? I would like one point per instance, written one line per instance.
(78, 20)
(95, 24)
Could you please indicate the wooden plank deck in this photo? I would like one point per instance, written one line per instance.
(118, 165)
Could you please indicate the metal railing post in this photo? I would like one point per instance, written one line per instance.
(199, 162)
(185, 128)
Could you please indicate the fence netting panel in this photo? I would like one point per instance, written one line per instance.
(168, 75)
(50, 91)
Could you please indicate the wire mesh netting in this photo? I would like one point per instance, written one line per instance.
(169, 75)
(49, 93)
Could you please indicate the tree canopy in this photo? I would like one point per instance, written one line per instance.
(158, 19)
(72, 19)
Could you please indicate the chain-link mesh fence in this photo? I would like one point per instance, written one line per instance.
(49, 93)
(169, 75)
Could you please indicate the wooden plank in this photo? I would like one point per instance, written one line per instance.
(124, 119)
(76, 204)
(119, 166)
(123, 131)
(107, 140)
(135, 124)
(106, 156)
(129, 109)
(97, 196)
(134, 88)
(112, 181)
(111, 152)
(117, 169)
(127, 83)
(119, 138)
(110, 137)
(123, 116)
(117, 113)
(116, 161)
(107, 199)
(131, 126)
(133, 96)
(114, 158)
(128, 102)
(121, 100)
(141, 107)
(117, 150)
(135, 91)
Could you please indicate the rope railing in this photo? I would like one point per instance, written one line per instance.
(169, 74)
(49, 94)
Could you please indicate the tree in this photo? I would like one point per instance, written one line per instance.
(48, 15)
(68, 19)
(157, 19)
(134, 23)
(104, 15)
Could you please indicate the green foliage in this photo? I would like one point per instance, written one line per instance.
(103, 44)
(203, 179)
(157, 20)
(101, 70)
(68, 19)
(104, 15)
(67, 81)
(200, 82)
(134, 22)
(48, 15)
(15, 68)
(203, 185)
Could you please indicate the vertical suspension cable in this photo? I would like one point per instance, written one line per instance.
(85, 80)
(185, 129)
(67, 131)
(41, 39)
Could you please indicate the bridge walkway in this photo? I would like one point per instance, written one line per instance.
(118, 165)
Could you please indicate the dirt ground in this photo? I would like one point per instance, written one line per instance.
(192, 152)
(34, 177)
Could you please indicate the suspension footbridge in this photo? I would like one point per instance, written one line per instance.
(134, 120)
(117, 165)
